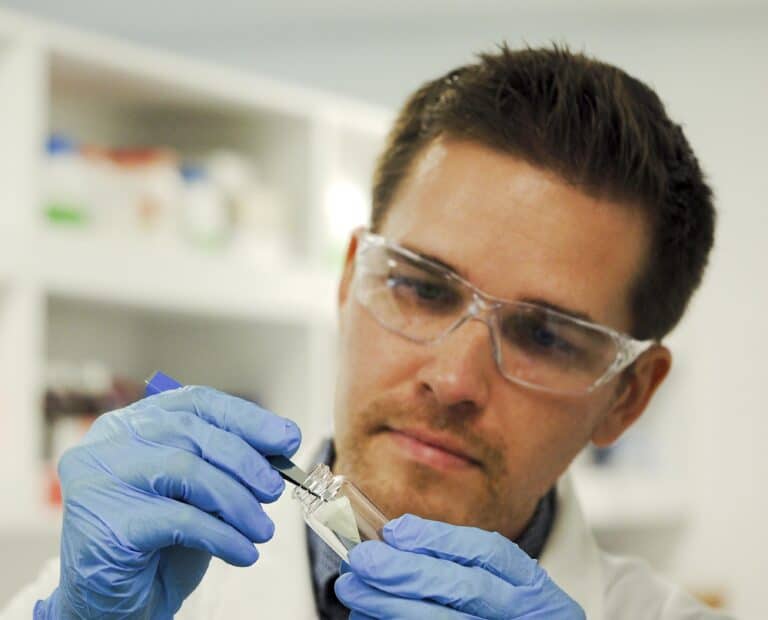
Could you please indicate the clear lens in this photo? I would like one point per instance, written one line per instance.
(546, 349)
(532, 344)
(417, 302)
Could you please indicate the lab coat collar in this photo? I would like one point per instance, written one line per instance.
(571, 555)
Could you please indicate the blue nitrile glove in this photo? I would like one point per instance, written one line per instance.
(154, 490)
(429, 569)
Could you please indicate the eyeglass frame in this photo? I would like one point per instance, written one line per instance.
(629, 349)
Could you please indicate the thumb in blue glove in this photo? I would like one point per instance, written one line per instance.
(429, 569)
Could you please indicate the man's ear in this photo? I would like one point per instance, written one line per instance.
(349, 268)
(642, 380)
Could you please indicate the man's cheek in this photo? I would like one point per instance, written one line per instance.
(381, 357)
(547, 457)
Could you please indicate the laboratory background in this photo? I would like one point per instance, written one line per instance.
(178, 180)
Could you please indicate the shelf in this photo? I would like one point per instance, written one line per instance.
(155, 276)
(256, 323)
(113, 69)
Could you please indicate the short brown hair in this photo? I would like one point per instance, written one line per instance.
(593, 125)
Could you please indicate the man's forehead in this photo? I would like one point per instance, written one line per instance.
(518, 232)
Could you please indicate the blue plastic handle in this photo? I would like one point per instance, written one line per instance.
(160, 382)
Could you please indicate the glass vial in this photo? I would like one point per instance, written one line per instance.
(338, 511)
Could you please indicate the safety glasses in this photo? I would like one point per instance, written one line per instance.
(533, 345)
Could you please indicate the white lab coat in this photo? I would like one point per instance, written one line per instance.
(278, 585)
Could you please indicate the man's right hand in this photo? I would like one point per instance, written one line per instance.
(153, 491)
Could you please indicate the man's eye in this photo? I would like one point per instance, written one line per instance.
(535, 335)
(426, 293)
(542, 336)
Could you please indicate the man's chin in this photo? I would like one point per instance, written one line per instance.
(427, 499)
(399, 482)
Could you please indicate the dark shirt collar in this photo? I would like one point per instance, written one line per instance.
(324, 563)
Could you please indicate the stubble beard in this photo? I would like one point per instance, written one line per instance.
(481, 496)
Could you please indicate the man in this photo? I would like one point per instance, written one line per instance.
(538, 227)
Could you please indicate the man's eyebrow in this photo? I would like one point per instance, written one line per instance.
(436, 260)
(576, 314)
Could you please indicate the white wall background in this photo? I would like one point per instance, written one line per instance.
(707, 60)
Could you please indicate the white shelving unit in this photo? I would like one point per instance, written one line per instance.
(139, 304)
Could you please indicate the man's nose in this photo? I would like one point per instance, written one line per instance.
(460, 368)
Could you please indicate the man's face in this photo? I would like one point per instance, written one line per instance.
(405, 412)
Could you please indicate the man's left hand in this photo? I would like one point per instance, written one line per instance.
(429, 569)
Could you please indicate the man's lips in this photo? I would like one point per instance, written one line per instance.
(434, 449)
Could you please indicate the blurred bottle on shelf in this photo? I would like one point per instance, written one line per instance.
(65, 183)
(205, 219)
(216, 201)
(139, 189)
(75, 395)
(346, 206)
(259, 214)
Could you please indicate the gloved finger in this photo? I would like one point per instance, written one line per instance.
(469, 546)
(357, 615)
(179, 475)
(266, 432)
(225, 450)
(358, 596)
(148, 525)
(470, 589)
